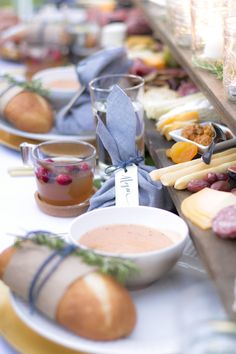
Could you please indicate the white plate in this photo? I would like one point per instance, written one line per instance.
(158, 307)
(176, 135)
(52, 135)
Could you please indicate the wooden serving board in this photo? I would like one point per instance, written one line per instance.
(218, 255)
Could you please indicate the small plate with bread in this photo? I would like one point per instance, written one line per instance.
(25, 112)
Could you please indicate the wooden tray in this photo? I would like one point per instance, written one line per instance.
(218, 255)
(68, 211)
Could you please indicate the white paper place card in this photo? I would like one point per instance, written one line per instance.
(126, 186)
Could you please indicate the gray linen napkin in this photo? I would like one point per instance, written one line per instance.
(104, 62)
(118, 138)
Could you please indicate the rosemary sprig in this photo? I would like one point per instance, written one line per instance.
(215, 68)
(118, 268)
(32, 85)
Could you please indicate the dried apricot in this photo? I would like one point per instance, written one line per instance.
(182, 151)
(168, 154)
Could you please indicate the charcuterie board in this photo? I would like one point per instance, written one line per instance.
(218, 255)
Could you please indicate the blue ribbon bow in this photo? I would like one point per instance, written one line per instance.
(124, 164)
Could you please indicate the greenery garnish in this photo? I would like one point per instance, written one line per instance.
(117, 267)
(215, 68)
(32, 85)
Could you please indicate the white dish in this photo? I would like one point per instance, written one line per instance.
(58, 96)
(176, 136)
(52, 135)
(157, 329)
(153, 264)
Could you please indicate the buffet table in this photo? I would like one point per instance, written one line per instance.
(199, 302)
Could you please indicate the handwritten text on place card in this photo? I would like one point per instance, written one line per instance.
(126, 186)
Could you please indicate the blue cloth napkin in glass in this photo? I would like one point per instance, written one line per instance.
(104, 62)
(118, 138)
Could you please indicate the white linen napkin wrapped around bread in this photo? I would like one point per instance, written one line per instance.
(75, 295)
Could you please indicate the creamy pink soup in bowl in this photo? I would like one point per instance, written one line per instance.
(152, 238)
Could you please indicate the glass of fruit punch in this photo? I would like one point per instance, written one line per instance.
(64, 170)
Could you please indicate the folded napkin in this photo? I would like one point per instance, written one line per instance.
(105, 62)
(21, 337)
(118, 138)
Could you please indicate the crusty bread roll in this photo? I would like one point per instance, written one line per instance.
(29, 112)
(5, 257)
(94, 306)
(97, 307)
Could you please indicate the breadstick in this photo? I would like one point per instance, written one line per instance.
(182, 182)
(20, 171)
(156, 174)
(169, 179)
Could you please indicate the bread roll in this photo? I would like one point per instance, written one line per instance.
(94, 306)
(97, 307)
(29, 112)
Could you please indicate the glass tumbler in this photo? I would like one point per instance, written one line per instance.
(160, 9)
(100, 89)
(180, 18)
(231, 8)
(207, 29)
(63, 170)
(85, 39)
(229, 62)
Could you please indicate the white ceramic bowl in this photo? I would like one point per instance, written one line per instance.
(152, 265)
(58, 96)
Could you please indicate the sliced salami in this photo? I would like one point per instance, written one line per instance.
(224, 223)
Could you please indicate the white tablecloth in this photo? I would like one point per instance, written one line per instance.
(19, 212)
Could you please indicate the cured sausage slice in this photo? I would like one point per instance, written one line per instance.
(224, 223)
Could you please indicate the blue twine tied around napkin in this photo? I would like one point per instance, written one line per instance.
(124, 164)
(35, 286)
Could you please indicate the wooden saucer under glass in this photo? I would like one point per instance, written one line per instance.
(67, 211)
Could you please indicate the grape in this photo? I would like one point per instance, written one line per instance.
(140, 68)
(197, 184)
(211, 177)
(233, 191)
(222, 176)
(221, 186)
